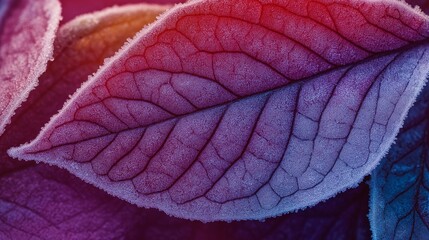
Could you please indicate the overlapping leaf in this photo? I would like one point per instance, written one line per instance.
(27, 31)
(43, 202)
(80, 48)
(400, 186)
(249, 109)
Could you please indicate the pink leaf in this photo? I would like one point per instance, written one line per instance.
(243, 109)
(27, 31)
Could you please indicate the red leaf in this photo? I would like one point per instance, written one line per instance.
(243, 110)
(27, 31)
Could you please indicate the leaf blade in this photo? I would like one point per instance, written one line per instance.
(53, 204)
(188, 156)
(399, 192)
(72, 66)
(27, 35)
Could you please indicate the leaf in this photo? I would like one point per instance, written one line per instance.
(44, 202)
(73, 8)
(340, 218)
(4, 7)
(400, 185)
(27, 31)
(101, 34)
(47, 203)
(36, 203)
(226, 110)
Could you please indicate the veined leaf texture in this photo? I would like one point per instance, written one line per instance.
(227, 110)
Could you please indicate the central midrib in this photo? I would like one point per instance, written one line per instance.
(269, 91)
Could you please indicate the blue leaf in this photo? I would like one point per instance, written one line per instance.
(400, 185)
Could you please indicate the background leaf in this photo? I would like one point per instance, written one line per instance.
(220, 111)
(423, 4)
(80, 48)
(27, 30)
(400, 185)
(48, 203)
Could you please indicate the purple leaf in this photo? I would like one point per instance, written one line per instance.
(48, 203)
(27, 31)
(227, 110)
(44, 202)
(86, 34)
(400, 185)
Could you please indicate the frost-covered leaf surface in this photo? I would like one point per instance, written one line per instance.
(80, 48)
(27, 31)
(400, 185)
(42, 202)
(243, 110)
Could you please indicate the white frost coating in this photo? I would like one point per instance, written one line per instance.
(84, 23)
(52, 9)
